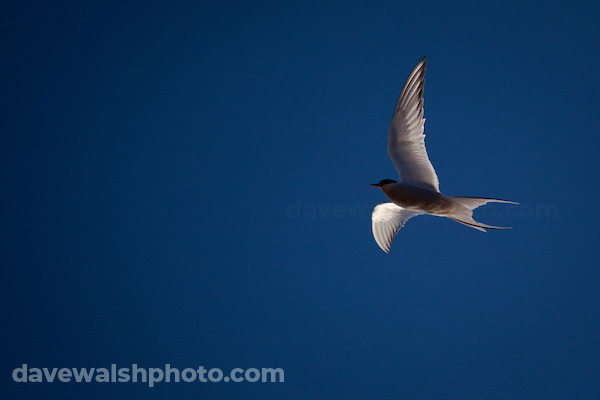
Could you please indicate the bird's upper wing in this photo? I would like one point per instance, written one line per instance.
(406, 141)
(387, 219)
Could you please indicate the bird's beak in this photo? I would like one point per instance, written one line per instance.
(375, 184)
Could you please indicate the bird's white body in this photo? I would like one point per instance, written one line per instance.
(419, 199)
(417, 191)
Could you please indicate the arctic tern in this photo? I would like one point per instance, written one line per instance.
(417, 191)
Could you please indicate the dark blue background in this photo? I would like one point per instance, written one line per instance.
(187, 183)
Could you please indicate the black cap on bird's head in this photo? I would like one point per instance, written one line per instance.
(383, 183)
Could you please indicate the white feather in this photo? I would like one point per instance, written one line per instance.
(387, 219)
(406, 141)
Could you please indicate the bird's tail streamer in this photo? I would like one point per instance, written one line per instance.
(465, 214)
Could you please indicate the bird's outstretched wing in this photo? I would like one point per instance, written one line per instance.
(387, 219)
(406, 141)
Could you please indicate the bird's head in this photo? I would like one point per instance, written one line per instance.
(383, 183)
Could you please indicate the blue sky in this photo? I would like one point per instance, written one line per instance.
(188, 183)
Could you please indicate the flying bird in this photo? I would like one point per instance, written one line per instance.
(417, 190)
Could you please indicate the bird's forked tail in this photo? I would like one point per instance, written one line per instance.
(465, 213)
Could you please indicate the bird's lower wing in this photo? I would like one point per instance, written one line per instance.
(387, 219)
